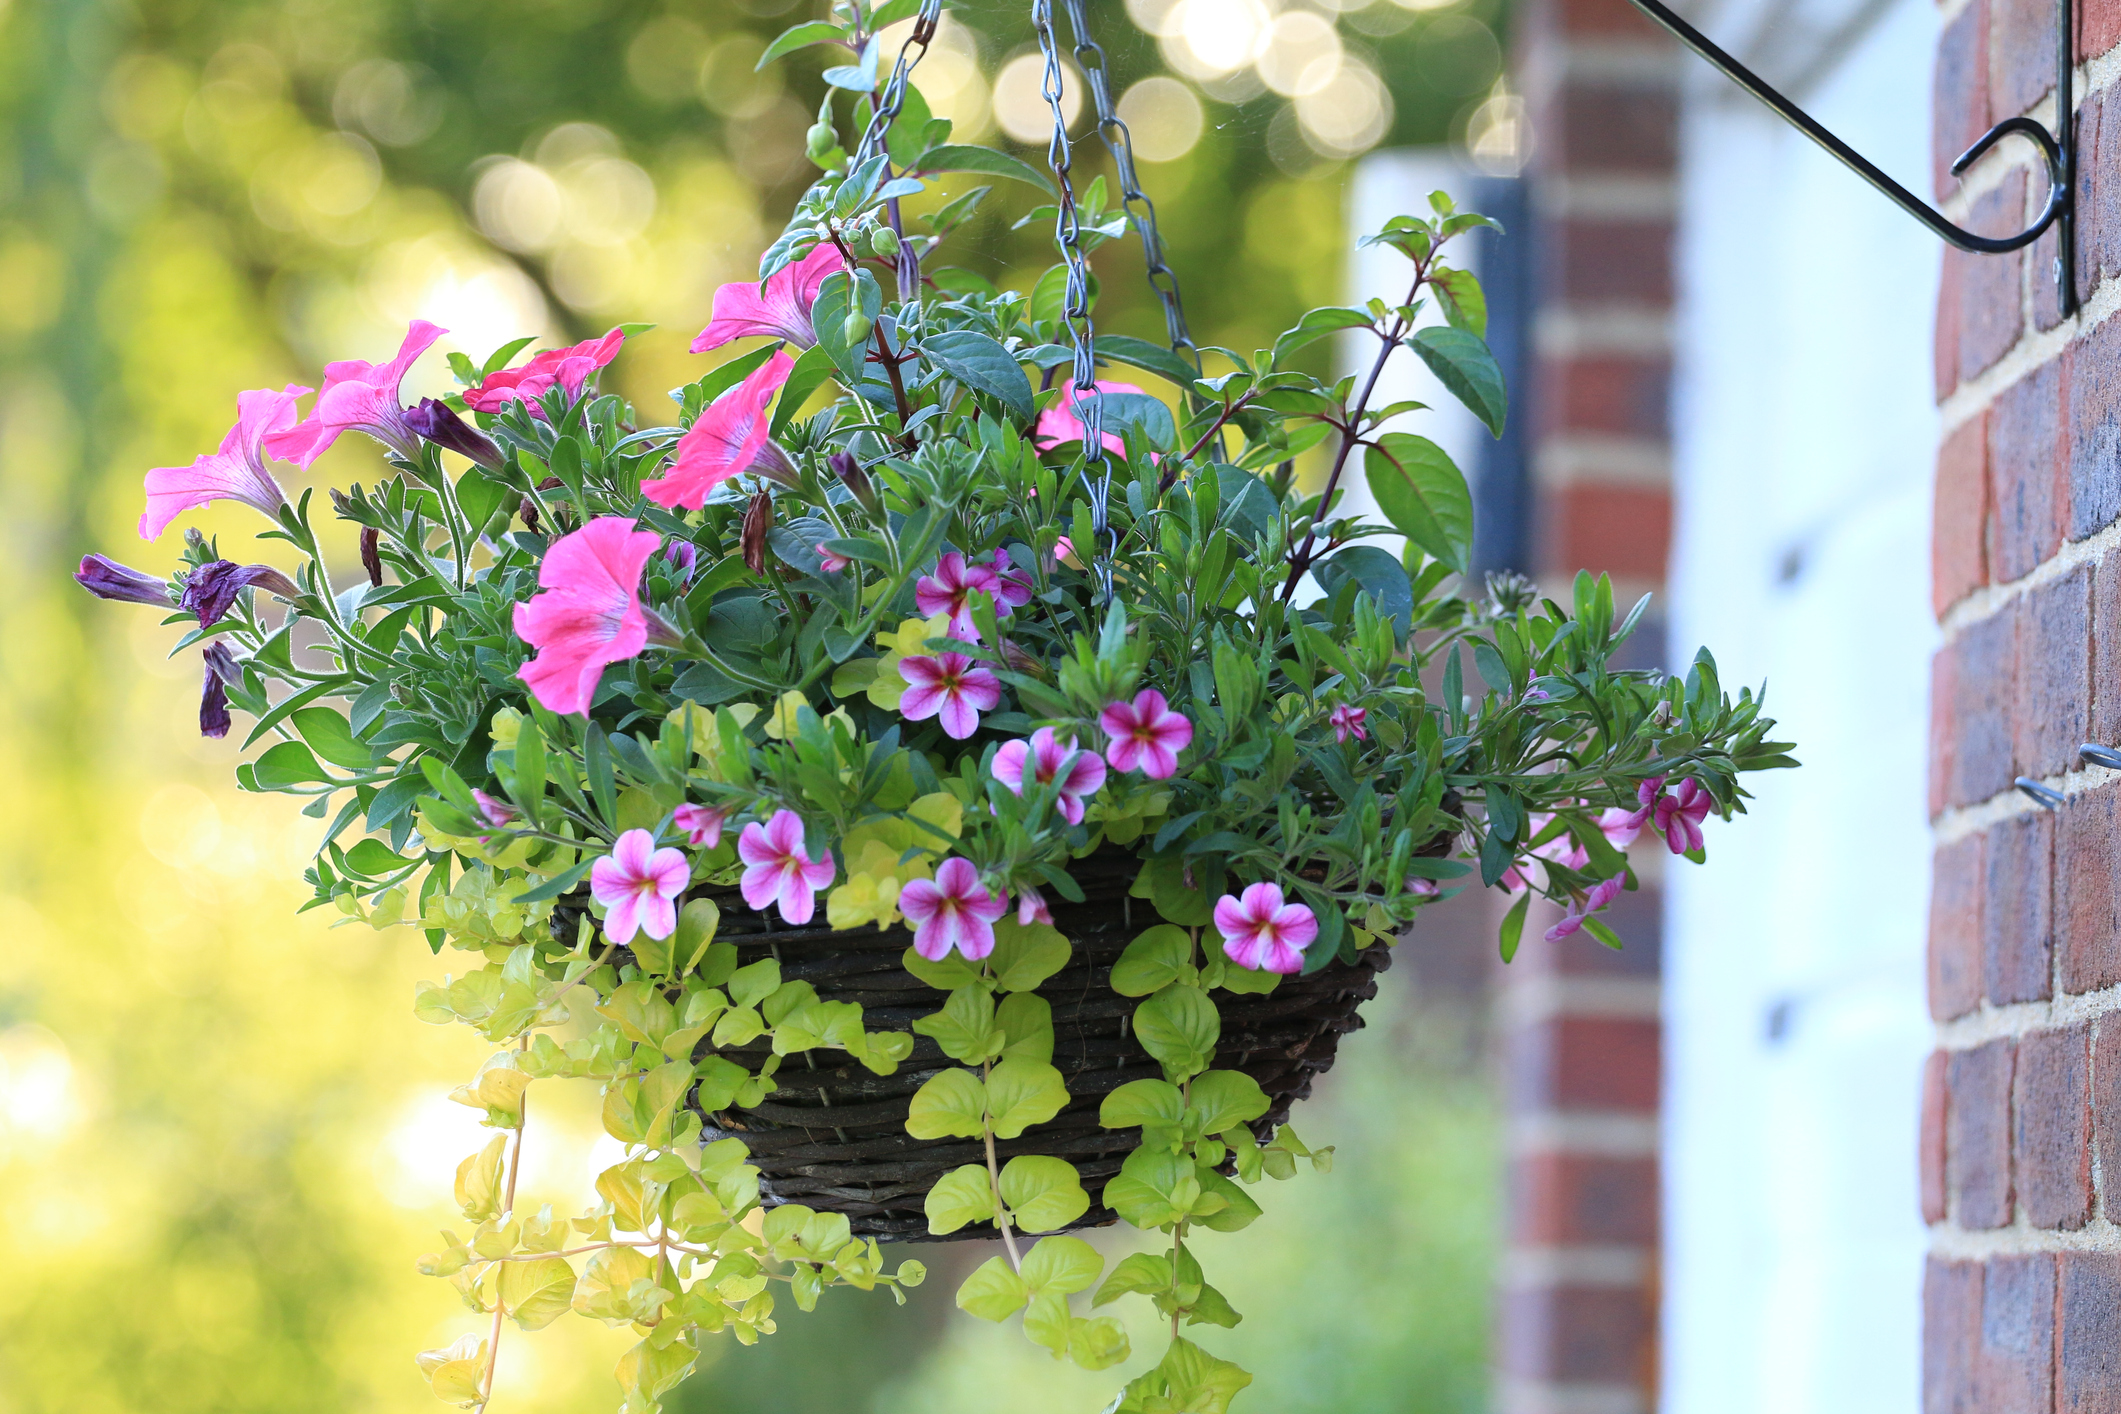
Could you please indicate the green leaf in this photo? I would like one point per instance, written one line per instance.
(1062, 1266)
(992, 1292)
(1140, 413)
(1026, 1022)
(1142, 1192)
(1237, 1210)
(1223, 1098)
(1462, 363)
(1148, 1273)
(1211, 1307)
(1179, 1026)
(1513, 926)
(961, 1196)
(981, 363)
(1376, 574)
(331, 738)
(1157, 958)
(537, 1293)
(288, 764)
(1423, 494)
(952, 1105)
(947, 975)
(1044, 1194)
(1144, 1102)
(985, 161)
(1020, 1093)
(811, 369)
(1097, 1343)
(1150, 358)
(1317, 324)
(965, 1027)
(800, 37)
(530, 768)
(1026, 954)
(1458, 293)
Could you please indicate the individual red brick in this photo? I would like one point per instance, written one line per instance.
(1622, 530)
(1981, 679)
(2021, 54)
(1931, 1143)
(1605, 19)
(1616, 396)
(1978, 1130)
(1958, 528)
(1577, 1334)
(2106, 1112)
(2098, 191)
(1596, 261)
(1944, 347)
(2051, 1139)
(2091, 376)
(2017, 936)
(1944, 728)
(2106, 651)
(2052, 713)
(1958, 894)
(2098, 27)
(1959, 92)
(2087, 903)
(2089, 1307)
(1991, 287)
(1566, 1199)
(1951, 1337)
(1584, 1063)
(2016, 1373)
(2028, 479)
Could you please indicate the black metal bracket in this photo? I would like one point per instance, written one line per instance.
(2091, 753)
(2058, 148)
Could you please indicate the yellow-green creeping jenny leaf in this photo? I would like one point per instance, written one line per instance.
(537, 1293)
(952, 1105)
(1220, 1099)
(965, 1027)
(1026, 954)
(1179, 1026)
(1026, 1021)
(1021, 1093)
(1064, 1265)
(1157, 958)
(961, 1196)
(992, 1292)
(479, 1180)
(1043, 1194)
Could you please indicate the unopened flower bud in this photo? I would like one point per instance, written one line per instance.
(439, 424)
(851, 475)
(820, 140)
(107, 579)
(884, 243)
(856, 330)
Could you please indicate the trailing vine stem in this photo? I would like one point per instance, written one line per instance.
(994, 1183)
(508, 1204)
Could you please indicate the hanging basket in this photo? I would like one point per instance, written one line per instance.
(833, 1135)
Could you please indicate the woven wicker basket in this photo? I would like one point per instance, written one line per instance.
(833, 1136)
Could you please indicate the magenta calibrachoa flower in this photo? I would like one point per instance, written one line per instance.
(589, 614)
(953, 911)
(1679, 815)
(1601, 894)
(1031, 908)
(778, 871)
(1262, 932)
(1620, 827)
(359, 396)
(235, 473)
(570, 368)
(728, 439)
(949, 687)
(950, 589)
(1045, 760)
(1348, 721)
(777, 307)
(497, 812)
(636, 883)
(1012, 587)
(1145, 733)
(702, 826)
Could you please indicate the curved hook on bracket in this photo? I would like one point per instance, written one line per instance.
(2059, 149)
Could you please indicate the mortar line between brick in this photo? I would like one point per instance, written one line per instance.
(2032, 352)
(2016, 1020)
(1990, 600)
(1952, 1242)
(1960, 821)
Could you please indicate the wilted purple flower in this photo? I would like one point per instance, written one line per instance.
(107, 579)
(211, 589)
(221, 669)
(438, 423)
(372, 554)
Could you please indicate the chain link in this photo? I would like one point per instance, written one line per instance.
(909, 54)
(1141, 212)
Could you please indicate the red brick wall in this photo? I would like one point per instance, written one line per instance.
(2021, 1102)
(1578, 1025)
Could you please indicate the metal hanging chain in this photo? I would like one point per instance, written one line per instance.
(1141, 212)
(1075, 309)
(909, 54)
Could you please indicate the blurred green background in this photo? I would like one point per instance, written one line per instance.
(223, 1137)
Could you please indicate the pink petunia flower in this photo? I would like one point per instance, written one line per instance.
(778, 869)
(636, 883)
(949, 591)
(1031, 908)
(1059, 423)
(1045, 760)
(588, 614)
(953, 911)
(702, 825)
(728, 439)
(359, 396)
(235, 473)
(831, 563)
(1348, 721)
(1679, 815)
(1145, 733)
(570, 368)
(949, 687)
(1601, 894)
(1262, 932)
(777, 307)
